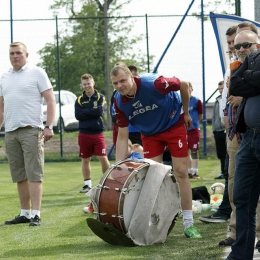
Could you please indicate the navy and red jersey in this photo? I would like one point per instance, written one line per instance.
(195, 109)
(156, 106)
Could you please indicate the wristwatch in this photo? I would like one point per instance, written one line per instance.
(49, 127)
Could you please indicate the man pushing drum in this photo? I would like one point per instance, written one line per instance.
(150, 103)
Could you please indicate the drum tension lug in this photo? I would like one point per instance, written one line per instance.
(99, 186)
(121, 217)
(130, 169)
(117, 189)
(106, 187)
(102, 214)
(124, 190)
(113, 216)
(119, 168)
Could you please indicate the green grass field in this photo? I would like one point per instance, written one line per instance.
(64, 233)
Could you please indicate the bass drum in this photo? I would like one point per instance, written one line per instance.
(132, 198)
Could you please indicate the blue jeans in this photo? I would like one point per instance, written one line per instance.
(246, 192)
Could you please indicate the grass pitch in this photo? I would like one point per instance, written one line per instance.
(64, 233)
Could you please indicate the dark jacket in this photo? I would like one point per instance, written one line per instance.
(89, 112)
(246, 83)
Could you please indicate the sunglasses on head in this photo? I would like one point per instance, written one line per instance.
(245, 45)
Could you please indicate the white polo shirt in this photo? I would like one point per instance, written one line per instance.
(21, 92)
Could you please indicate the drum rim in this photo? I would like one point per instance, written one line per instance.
(102, 181)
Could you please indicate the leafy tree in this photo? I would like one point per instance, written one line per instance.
(81, 43)
(216, 6)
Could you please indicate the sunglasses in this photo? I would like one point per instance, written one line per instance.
(245, 45)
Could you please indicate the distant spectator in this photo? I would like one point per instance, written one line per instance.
(133, 70)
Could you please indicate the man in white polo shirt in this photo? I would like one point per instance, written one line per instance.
(22, 89)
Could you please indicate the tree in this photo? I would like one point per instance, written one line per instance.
(216, 6)
(81, 44)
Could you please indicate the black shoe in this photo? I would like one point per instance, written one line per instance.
(17, 220)
(194, 176)
(257, 245)
(220, 176)
(36, 221)
(226, 242)
(214, 218)
(85, 189)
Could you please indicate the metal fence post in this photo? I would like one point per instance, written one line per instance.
(59, 85)
(203, 82)
(147, 43)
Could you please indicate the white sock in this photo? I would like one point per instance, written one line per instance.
(187, 218)
(36, 212)
(26, 213)
(190, 171)
(88, 182)
(195, 170)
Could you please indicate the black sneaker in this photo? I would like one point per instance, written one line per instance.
(17, 220)
(214, 218)
(226, 242)
(257, 245)
(36, 221)
(220, 176)
(85, 189)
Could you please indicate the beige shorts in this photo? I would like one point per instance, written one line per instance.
(25, 152)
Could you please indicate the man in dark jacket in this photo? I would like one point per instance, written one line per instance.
(89, 110)
(246, 83)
